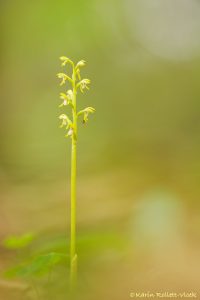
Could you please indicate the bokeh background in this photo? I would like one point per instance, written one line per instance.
(138, 157)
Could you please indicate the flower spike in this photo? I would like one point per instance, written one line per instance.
(69, 97)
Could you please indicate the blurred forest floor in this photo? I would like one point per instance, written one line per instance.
(162, 258)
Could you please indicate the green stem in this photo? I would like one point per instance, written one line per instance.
(73, 255)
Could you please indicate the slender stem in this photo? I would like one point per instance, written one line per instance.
(73, 255)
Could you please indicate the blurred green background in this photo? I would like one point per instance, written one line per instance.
(138, 157)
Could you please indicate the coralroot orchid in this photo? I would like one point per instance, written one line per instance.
(69, 99)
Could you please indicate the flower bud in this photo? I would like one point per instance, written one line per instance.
(65, 60)
(81, 63)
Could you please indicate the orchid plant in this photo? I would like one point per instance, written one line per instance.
(69, 99)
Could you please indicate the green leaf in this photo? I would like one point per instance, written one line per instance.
(40, 265)
(17, 242)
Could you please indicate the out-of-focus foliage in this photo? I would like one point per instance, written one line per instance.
(144, 61)
(40, 265)
(17, 242)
